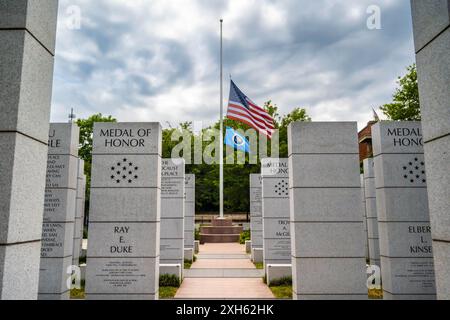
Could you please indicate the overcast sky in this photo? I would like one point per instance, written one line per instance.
(158, 60)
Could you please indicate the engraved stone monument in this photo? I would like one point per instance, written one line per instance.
(172, 212)
(275, 212)
(256, 218)
(371, 212)
(402, 209)
(59, 211)
(328, 254)
(124, 223)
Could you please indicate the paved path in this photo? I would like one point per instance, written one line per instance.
(223, 271)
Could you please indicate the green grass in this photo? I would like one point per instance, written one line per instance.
(187, 264)
(282, 292)
(78, 294)
(259, 265)
(285, 281)
(375, 293)
(169, 280)
(245, 235)
(167, 292)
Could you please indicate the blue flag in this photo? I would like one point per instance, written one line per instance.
(236, 140)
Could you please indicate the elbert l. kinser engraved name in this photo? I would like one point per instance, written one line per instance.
(405, 137)
(125, 137)
(424, 246)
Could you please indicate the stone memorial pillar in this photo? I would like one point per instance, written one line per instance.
(189, 216)
(275, 212)
(328, 254)
(27, 37)
(363, 196)
(256, 230)
(431, 22)
(172, 212)
(402, 209)
(124, 222)
(59, 211)
(79, 214)
(371, 212)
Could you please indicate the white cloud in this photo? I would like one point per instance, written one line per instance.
(157, 60)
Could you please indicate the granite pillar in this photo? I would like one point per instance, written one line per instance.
(328, 254)
(27, 44)
(124, 222)
(431, 24)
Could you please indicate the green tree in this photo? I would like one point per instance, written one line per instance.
(85, 149)
(405, 105)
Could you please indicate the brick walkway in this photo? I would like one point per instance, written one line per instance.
(223, 271)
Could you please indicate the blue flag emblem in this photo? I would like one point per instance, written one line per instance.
(236, 140)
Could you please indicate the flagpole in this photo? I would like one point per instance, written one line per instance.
(221, 119)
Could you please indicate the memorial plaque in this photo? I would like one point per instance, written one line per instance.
(189, 211)
(59, 211)
(402, 211)
(172, 211)
(256, 229)
(327, 231)
(275, 211)
(124, 222)
(371, 211)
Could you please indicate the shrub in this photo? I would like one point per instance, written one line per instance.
(245, 235)
(285, 281)
(169, 280)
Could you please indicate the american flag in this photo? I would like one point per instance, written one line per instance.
(242, 109)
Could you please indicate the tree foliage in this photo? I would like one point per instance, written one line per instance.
(405, 105)
(236, 176)
(85, 149)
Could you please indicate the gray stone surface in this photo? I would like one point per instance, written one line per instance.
(256, 233)
(172, 211)
(429, 19)
(257, 255)
(19, 271)
(322, 277)
(363, 199)
(25, 84)
(438, 166)
(189, 211)
(124, 224)
(189, 254)
(38, 17)
(59, 210)
(441, 251)
(171, 269)
(277, 272)
(371, 211)
(79, 213)
(26, 76)
(22, 175)
(275, 211)
(327, 231)
(433, 69)
(403, 220)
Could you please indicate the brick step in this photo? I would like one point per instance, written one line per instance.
(221, 230)
(218, 238)
(217, 222)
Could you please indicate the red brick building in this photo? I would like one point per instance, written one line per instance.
(365, 141)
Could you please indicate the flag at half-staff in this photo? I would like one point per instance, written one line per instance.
(242, 109)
